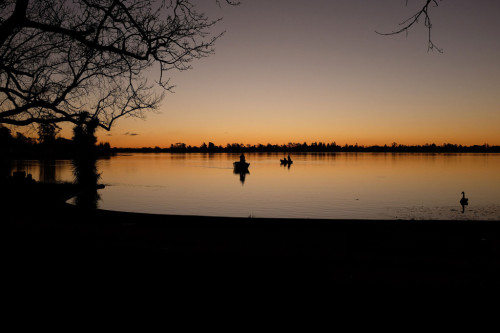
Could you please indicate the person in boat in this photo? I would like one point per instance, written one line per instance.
(242, 158)
(289, 159)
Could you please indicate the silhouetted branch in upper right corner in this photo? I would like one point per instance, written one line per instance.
(415, 19)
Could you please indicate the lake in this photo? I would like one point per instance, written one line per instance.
(317, 185)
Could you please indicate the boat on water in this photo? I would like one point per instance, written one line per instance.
(241, 165)
(285, 161)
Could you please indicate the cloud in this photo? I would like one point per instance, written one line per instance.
(130, 134)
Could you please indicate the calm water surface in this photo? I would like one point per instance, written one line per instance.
(326, 185)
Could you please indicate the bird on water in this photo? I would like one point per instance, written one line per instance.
(464, 201)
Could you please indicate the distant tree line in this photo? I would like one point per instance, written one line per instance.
(314, 147)
(49, 145)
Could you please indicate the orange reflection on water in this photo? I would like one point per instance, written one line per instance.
(323, 185)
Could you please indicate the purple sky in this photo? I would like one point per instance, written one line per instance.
(315, 70)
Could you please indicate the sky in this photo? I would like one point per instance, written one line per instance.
(316, 70)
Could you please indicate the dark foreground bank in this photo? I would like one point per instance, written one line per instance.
(50, 243)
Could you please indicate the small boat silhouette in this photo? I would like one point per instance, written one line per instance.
(241, 166)
(285, 161)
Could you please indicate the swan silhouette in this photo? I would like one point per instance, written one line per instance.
(464, 201)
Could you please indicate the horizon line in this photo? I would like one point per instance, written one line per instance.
(182, 145)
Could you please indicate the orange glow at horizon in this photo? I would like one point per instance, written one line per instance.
(332, 79)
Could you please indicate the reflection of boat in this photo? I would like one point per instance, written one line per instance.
(241, 166)
(242, 172)
(285, 161)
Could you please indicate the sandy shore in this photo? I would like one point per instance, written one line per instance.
(56, 239)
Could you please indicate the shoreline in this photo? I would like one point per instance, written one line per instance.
(234, 221)
(56, 237)
(346, 252)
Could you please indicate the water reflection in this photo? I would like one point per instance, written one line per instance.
(47, 172)
(83, 172)
(242, 173)
(86, 177)
(286, 165)
(323, 185)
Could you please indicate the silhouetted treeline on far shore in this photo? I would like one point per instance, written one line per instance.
(47, 146)
(314, 147)
(19, 146)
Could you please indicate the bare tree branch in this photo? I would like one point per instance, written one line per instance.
(61, 59)
(415, 19)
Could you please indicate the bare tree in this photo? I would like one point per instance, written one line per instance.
(61, 60)
(422, 14)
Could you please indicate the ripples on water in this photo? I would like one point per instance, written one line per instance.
(474, 212)
(326, 185)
